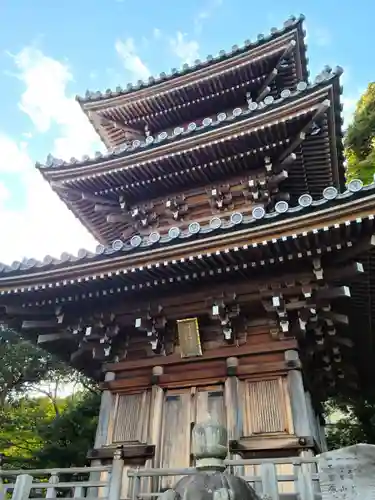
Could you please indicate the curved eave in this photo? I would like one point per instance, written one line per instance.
(221, 87)
(128, 263)
(305, 175)
(98, 100)
(141, 154)
(210, 154)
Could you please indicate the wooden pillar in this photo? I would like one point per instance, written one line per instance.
(102, 431)
(232, 401)
(322, 434)
(301, 421)
(233, 409)
(155, 425)
(105, 415)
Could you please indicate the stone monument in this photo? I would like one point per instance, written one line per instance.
(210, 482)
(348, 473)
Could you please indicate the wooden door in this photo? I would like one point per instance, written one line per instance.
(176, 432)
(181, 410)
(209, 404)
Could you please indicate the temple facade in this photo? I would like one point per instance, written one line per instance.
(232, 278)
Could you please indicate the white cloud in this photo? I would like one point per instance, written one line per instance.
(131, 60)
(186, 50)
(349, 104)
(206, 12)
(322, 37)
(47, 102)
(13, 157)
(157, 33)
(42, 225)
(4, 194)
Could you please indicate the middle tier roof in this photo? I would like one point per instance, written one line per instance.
(306, 123)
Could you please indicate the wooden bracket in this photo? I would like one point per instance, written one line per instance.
(144, 216)
(177, 207)
(220, 198)
(225, 310)
(154, 324)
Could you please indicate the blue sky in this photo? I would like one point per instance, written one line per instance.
(50, 51)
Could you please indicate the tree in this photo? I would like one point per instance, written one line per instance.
(352, 421)
(21, 420)
(360, 139)
(24, 367)
(69, 437)
(356, 417)
(38, 427)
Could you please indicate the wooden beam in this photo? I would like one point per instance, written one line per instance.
(48, 323)
(221, 353)
(11, 310)
(334, 316)
(358, 248)
(132, 132)
(303, 133)
(79, 195)
(52, 337)
(332, 293)
(347, 272)
(265, 89)
(102, 207)
(118, 218)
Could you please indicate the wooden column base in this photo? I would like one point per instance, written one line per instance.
(136, 454)
(262, 447)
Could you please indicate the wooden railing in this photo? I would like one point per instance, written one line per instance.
(81, 483)
(266, 476)
(272, 479)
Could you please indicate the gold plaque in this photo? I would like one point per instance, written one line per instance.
(189, 338)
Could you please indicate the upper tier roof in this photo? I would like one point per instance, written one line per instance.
(212, 151)
(221, 82)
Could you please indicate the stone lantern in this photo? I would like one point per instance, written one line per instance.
(210, 482)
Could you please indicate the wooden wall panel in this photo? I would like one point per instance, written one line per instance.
(131, 422)
(267, 407)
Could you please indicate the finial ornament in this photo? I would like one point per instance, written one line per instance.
(210, 445)
(210, 482)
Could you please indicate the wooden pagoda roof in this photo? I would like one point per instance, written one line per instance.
(135, 258)
(338, 228)
(306, 122)
(177, 97)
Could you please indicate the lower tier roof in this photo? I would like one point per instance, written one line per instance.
(319, 257)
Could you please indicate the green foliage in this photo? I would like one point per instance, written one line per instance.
(38, 427)
(353, 421)
(69, 437)
(20, 422)
(360, 139)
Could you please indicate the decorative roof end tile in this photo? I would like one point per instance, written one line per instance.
(92, 96)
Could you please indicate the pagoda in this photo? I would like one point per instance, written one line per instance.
(233, 274)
